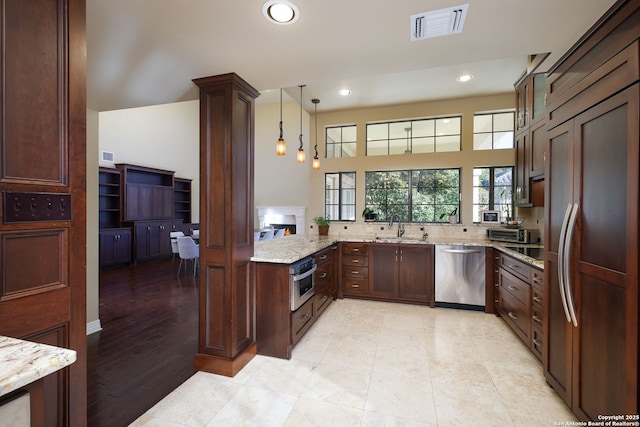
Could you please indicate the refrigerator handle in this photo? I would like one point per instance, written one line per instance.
(561, 256)
(566, 258)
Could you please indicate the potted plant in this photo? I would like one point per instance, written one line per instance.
(369, 215)
(323, 225)
(453, 216)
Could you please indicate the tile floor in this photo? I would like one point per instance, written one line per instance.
(370, 363)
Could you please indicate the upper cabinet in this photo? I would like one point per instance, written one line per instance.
(530, 137)
(148, 193)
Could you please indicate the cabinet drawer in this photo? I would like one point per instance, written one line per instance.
(536, 318)
(322, 302)
(349, 272)
(537, 299)
(354, 249)
(518, 268)
(516, 315)
(323, 274)
(509, 284)
(536, 342)
(324, 257)
(355, 286)
(354, 260)
(301, 320)
(537, 280)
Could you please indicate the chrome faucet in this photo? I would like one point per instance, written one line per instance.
(400, 224)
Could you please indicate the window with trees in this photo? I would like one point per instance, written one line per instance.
(340, 141)
(340, 196)
(492, 190)
(414, 136)
(423, 195)
(493, 131)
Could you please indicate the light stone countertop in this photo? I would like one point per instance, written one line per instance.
(23, 362)
(289, 249)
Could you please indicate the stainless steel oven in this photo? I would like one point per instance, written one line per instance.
(301, 282)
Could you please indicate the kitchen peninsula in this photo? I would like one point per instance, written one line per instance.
(279, 327)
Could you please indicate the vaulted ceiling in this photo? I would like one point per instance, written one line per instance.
(146, 52)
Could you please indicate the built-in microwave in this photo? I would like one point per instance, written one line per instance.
(513, 235)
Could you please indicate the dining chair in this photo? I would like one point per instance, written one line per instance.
(279, 233)
(188, 250)
(268, 235)
(174, 244)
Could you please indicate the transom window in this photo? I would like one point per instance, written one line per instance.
(493, 131)
(424, 195)
(414, 136)
(492, 190)
(340, 141)
(340, 196)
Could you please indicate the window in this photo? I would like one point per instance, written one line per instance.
(416, 195)
(492, 190)
(414, 136)
(340, 141)
(340, 196)
(493, 131)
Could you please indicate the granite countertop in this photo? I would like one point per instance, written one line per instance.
(289, 249)
(24, 362)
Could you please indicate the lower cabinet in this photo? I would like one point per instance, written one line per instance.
(115, 246)
(387, 271)
(521, 300)
(278, 329)
(152, 239)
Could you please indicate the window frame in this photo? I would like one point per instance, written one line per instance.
(493, 132)
(340, 189)
(341, 142)
(491, 190)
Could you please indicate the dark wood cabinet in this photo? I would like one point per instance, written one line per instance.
(115, 246)
(152, 239)
(590, 351)
(530, 139)
(44, 262)
(354, 269)
(182, 199)
(325, 279)
(147, 193)
(109, 200)
(402, 272)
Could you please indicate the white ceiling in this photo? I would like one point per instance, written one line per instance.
(146, 52)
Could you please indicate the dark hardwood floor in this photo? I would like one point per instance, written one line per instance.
(147, 345)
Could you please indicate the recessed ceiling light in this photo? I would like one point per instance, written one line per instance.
(281, 12)
(345, 92)
(465, 77)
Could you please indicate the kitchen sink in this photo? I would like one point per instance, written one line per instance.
(400, 239)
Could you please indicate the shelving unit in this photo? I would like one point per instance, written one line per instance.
(109, 198)
(182, 199)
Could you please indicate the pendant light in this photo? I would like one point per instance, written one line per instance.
(301, 156)
(281, 146)
(316, 162)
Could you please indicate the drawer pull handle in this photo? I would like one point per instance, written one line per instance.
(537, 343)
(323, 275)
(537, 299)
(536, 280)
(353, 285)
(496, 301)
(513, 266)
(537, 319)
(305, 318)
(512, 288)
(323, 257)
(513, 316)
(355, 260)
(355, 272)
(324, 298)
(356, 250)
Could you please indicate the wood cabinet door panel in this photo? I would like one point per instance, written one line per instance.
(384, 265)
(415, 273)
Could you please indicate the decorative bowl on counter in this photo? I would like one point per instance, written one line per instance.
(514, 223)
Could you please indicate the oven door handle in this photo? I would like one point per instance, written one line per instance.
(305, 274)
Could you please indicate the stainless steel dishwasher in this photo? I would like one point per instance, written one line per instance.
(460, 277)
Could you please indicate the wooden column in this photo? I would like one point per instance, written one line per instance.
(227, 295)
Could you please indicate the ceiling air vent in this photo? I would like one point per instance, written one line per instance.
(438, 22)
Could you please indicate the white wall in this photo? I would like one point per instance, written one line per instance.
(161, 136)
(93, 273)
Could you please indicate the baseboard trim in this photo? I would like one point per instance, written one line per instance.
(93, 327)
